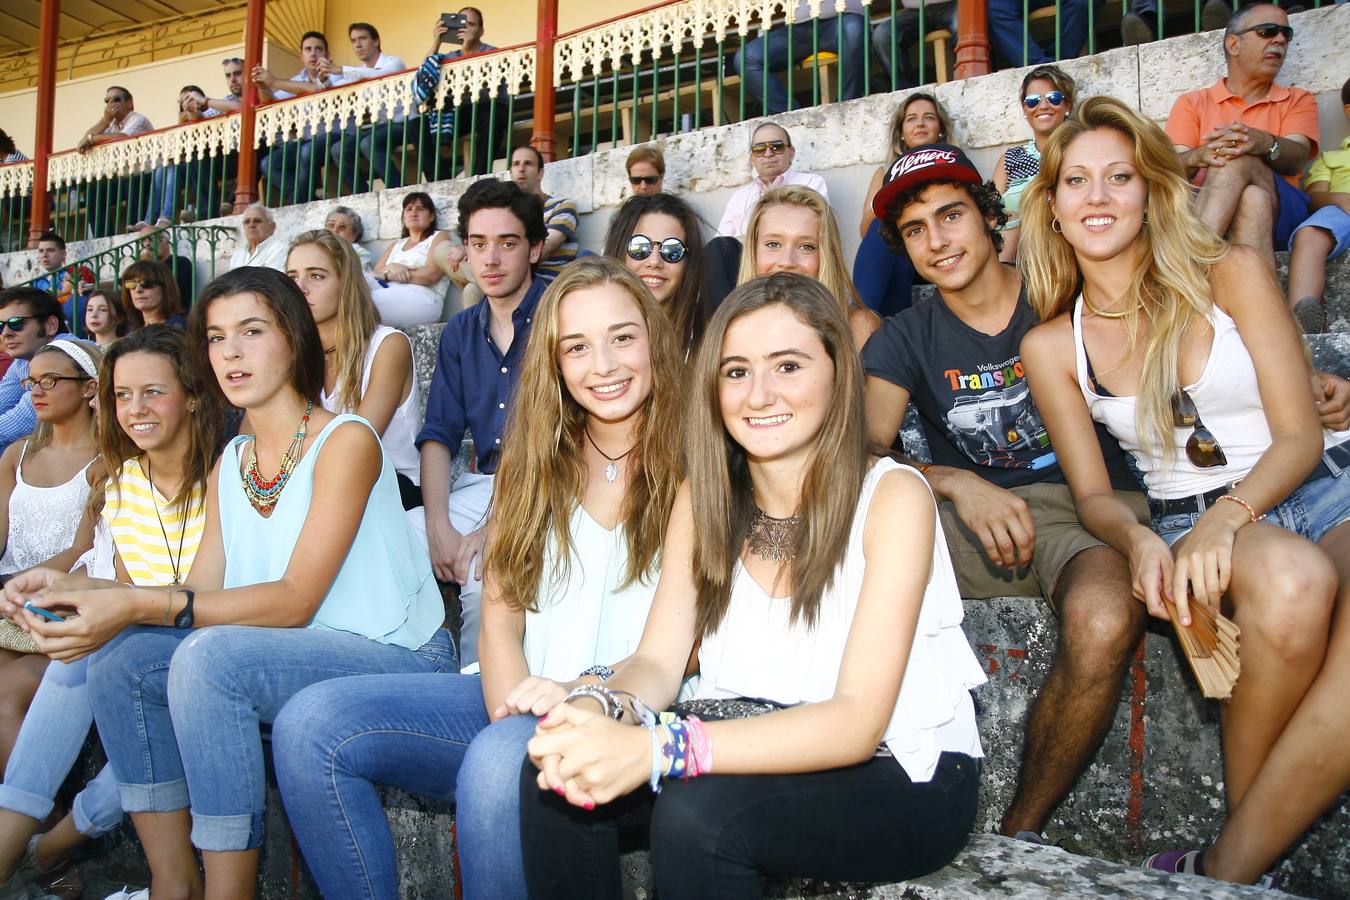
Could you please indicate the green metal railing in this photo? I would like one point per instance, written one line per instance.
(103, 270)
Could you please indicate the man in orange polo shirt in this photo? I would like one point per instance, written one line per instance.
(1245, 140)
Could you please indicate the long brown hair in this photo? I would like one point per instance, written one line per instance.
(541, 477)
(150, 270)
(357, 317)
(206, 420)
(719, 474)
(898, 146)
(1170, 282)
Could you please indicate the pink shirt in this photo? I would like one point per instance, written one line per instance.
(742, 203)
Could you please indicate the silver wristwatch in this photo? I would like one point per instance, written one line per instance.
(1274, 152)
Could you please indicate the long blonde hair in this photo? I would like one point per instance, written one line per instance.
(719, 474)
(357, 317)
(541, 477)
(1170, 282)
(42, 431)
(834, 272)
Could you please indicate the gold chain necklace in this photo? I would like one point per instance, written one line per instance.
(1109, 315)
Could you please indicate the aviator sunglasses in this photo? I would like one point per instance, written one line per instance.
(764, 148)
(640, 247)
(146, 283)
(1202, 447)
(1267, 30)
(1054, 98)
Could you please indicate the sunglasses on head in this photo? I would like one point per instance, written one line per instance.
(49, 382)
(640, 247)
(232, 59)
(15, 323)
(764, 148)
(146, 283)
(649, 180)
(1202, 447)
(1054, 98)
(1267, 30)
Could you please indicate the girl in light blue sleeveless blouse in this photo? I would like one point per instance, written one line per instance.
(306, 576)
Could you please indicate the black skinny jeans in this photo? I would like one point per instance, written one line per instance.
(716, 835)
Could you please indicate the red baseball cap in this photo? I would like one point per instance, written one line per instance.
(931, 162)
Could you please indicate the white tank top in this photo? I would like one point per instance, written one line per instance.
(399, 435)
(584, 618)
(1228, 399)
(415, 257)
(42, 520)
(756, 652)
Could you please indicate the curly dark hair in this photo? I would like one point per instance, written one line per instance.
(491, 193)
(987, 200)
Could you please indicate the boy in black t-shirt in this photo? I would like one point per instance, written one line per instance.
(1008, 516)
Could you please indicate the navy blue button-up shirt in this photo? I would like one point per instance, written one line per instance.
(474, 380)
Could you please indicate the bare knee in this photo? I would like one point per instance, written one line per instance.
(1313, 241)
(1246, 170)
(1290, 612)
(1100, 622)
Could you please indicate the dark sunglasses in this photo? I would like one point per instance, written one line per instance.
(1202, 447)
(640, 247)
(650, 180)
(766, 147)
(146, 283)
(15, 323)
(49, 382)
(122, 99)
(1267, 30)
(1054, 98)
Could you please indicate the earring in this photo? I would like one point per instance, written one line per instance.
(1055, 226)
(1145, 217)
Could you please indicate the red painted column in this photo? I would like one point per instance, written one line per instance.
(543, 138)
(48, 32)
(246, 191)
(972, 44)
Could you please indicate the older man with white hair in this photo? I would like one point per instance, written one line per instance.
(259, 243)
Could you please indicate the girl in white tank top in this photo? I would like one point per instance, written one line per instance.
(1185, 350)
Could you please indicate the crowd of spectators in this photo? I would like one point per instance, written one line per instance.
(1118, 271)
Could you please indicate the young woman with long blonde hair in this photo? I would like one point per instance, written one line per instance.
(803, 571)
(368, 367)
(586, 483)
(1183, 348)
(793, 229)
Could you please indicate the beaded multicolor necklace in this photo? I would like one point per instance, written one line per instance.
(263, 495)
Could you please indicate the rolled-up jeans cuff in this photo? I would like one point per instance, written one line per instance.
(24, 803)
(97, 809)
(227, 833)
(166, 796)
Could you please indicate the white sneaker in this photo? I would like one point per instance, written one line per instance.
(127, 893)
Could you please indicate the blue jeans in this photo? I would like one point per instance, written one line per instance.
(1312, 510)
(884, 279)
(334, 742)
(903, 29)
(294, 169)
(1005, 30)
(52, 735)
(781, 53)
(179, 712)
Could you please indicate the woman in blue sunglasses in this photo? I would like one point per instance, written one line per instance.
(657, 238)
(1046, 101)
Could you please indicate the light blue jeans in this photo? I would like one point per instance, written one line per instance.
(426, 734)
(180, 712)
(49, 742)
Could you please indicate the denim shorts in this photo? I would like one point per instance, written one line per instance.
(1333, 220)
(1312, 510)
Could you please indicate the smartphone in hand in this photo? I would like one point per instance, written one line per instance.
(453, 23)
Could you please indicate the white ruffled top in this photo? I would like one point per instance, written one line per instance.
(756, 652)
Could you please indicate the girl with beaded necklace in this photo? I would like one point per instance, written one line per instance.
(802, 570)
(186, 735)
(589, 475)
(159, 435)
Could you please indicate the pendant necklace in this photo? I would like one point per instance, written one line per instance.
(611, 470)
(263, 495)
(168, 547)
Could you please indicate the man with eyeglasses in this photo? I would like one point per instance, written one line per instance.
(30, 319)
(646, 170)
(1245, 131)
(118, 122)
(771, 156)
(259, 243)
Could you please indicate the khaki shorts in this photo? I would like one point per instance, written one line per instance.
(1059, 538)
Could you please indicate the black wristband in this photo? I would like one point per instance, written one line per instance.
(185, 618)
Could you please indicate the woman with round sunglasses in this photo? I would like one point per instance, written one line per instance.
(150, 296)
(587, 482)
(885, 279)
(793, 229)
(1182, 347)
(1046, 101)
(656, 236)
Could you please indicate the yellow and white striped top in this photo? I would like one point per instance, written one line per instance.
(149, 531)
